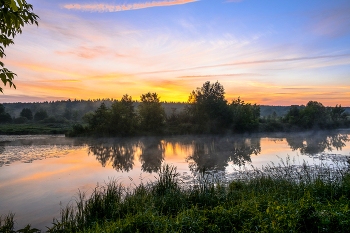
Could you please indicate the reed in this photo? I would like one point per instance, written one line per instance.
(275, 198)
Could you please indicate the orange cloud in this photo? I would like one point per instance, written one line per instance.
(90, 52)
(219, 75)
(114, 8)
(44, 69)
(62, 81)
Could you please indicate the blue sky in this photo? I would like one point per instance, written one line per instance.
(268, 52)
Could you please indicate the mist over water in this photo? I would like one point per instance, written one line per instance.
(41, 174)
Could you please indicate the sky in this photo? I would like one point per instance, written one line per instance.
(271, 52)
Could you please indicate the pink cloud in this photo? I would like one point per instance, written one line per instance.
(135, 6)
(90, 52)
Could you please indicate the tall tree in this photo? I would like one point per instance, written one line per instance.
(245, 116)
(14, 14)
(209, 107)
(27, 113)
(151, 112)
(40, 115)
(99, 122)
(123, 116)
(314, 115)
(4, 116)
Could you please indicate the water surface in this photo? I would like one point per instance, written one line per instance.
(41, 174)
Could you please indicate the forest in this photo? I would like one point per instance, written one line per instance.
(206, 112)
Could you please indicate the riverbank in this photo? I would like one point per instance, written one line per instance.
(283, 198)
(34, 129)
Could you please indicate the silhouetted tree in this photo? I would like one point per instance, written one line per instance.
(151, 113)
(67, 114)
(123, 117)
(215, 153)
(4, 117)
(314, 114)
(338, 113)
(87, 117)
(40, 115)
(293, 115)
(99, 122)
(317, 143)
(27, 113)
(245, 116)
(120, 155)
(209, 108)
(152, 156)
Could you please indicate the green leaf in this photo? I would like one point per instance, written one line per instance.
(20, 3)
(13, 5)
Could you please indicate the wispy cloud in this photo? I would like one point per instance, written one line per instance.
(62, 81)
(219, 75)
(90, 52)
(134, 6)
(251, 63)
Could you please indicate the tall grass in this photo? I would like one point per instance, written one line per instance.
(7, 225)
(276, 198)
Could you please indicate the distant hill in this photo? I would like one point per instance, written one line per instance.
(266, 110)
(80, 107)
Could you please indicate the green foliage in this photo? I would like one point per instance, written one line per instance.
(87, 117)
(68, 114)
(27, 113)
(14, 15)
(99, 122)
(20, 120)
(316, 116)
(7, 225)
(151, 113)
(40, 115)
(245, 116)
(338, 114)
(4, 116)
(25, 129)
(274, 199)
(123, 117)
(209, 107)
(2, 109)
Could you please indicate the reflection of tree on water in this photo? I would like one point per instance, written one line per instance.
(152, 155)
(215, 153)
(317, 143)
(2, 150)
(120, 155)
(2, 147)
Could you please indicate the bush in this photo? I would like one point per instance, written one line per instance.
(40, 115)
(20, 120)
(27, 113)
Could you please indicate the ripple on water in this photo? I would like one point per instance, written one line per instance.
(15, 151)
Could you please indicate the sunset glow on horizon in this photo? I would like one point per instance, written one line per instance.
(265, 52)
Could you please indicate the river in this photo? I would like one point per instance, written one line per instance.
(41, 174)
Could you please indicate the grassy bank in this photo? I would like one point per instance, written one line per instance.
(30, 129)
(274, 199)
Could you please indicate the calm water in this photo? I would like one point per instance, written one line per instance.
(41, 174)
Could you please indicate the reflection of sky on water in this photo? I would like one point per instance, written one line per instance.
(60, 166)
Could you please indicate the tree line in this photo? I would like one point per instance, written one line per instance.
(207, 111)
